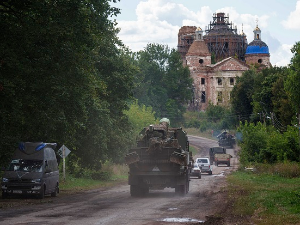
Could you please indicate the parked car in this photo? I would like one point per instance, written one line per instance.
(204, 165)
(196, 171)
(33, 170)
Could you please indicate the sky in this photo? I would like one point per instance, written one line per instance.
(158, 21)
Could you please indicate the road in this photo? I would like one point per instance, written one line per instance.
(116, 206)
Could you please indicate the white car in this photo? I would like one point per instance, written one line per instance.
(204, 165)
(196, 171)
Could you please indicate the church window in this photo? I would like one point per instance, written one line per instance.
(219, 79)
(202, 96)
(259, 61)
(202, 80)
(231, 80)
(200, 61)
(220, 96)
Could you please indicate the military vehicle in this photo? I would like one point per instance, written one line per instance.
(215, 150)
(160, 160)
(226, 139)
(222, 159)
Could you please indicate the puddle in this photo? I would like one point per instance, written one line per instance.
(222, 174)
(172, 209)
(181, 220)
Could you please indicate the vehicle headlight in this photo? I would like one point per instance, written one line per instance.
(36, 181)
(4, 180)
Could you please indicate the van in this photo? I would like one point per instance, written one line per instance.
(33, 170)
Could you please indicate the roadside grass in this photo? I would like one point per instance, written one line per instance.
(267, 197)
(119, 174)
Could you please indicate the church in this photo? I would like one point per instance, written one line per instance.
(217, 58)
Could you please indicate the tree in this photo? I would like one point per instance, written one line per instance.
(269, 96)
(241, 95)
(65, 78)
(164, 84)
(292, 84)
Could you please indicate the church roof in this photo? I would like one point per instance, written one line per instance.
(257, 47)
(198, 48)
(229, 64)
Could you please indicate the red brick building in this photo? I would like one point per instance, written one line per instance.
(214, 82)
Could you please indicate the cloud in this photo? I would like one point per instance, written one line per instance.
(282, 56)
(293, 21)
(158, 21)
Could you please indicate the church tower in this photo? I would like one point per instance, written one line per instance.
(257, 52)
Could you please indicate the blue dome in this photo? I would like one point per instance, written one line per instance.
(257, 47)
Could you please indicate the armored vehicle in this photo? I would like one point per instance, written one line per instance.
(226, 139)
(161, 159)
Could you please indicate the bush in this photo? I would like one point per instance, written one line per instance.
(282, 169)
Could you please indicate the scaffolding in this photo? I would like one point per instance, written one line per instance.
(222, 38)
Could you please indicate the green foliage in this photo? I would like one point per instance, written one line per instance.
(265, 198)
(241, 95)
(265, 144)
(292, 84)
(65, 78)
(215, 118)
(163, 83)
(282, 169)
(140, 116)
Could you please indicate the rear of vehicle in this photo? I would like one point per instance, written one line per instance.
(32, 171)
(204, 164)
(222, 159)
(160, 160)
(196, 171)
(215, 150)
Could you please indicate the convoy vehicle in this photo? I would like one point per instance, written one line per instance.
(226, 139)
(222, 159)
(161, 159)
(33, 171)
(205, 165)
(196, 171)
(215, 150)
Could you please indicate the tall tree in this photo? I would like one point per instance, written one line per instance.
(241, 95)
(292, 84)
(164, 84)
(65, 77)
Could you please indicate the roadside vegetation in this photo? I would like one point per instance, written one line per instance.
(267, 194)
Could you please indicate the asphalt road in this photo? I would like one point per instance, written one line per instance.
(116, 206)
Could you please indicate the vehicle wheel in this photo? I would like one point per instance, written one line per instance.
(145, 190)
(54, 193)
(4, 195)
(181, 190)
(42, 192)
(137, 191)
(199, 176)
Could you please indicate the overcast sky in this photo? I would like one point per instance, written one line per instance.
(158, 21)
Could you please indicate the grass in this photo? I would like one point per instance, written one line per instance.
(266, 198)
(74, 184)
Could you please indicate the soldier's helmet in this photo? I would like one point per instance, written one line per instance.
(164, 120)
